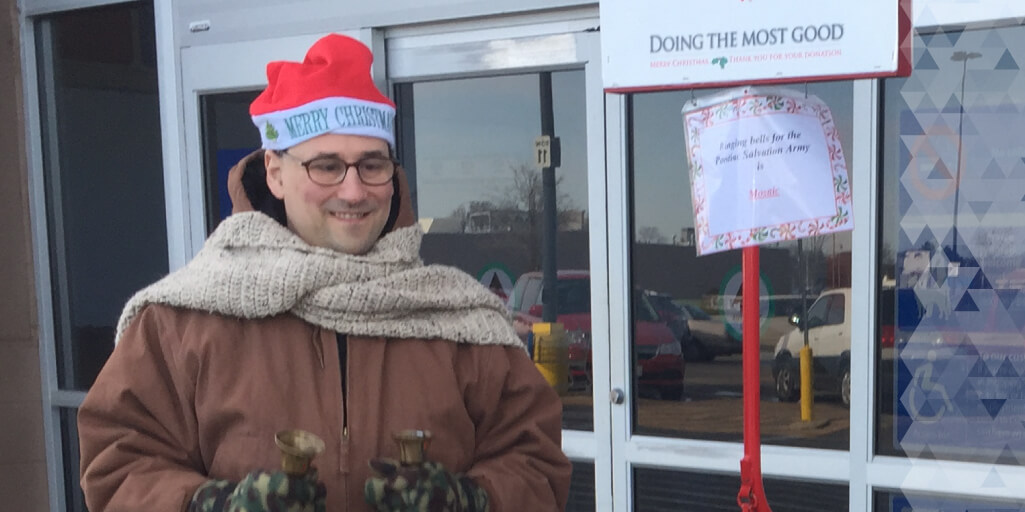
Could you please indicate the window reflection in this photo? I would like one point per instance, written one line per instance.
(228, 136)
(581, 488)
(106, 224)
(468, 149)
(901, 502)
(658, 490)
(952, 311)
(697, 299)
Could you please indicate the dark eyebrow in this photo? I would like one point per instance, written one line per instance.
(373, 154)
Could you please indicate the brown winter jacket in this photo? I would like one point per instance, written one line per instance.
(189, 396)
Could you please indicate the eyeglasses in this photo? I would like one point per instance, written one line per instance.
(331, 170)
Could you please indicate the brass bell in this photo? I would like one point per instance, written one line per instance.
(413, 446)
(298, 448)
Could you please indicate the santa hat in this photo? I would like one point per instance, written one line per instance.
(330, 91)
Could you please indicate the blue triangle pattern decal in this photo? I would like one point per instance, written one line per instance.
(993, 40)
(980, 208)
(980, 370)
(905, 202)
(926, 106)
(993, 172)
(993, 479)
(926, 62)
(928, 410)
(1007, 297)
(940, 172)
(1019, 321)
(1009, 457)
(1007, 62)
(962, 253)
(926, 240)
(980, 282)
(953, 105)
(966, 304)
(909, 125)
(1007, 369)
(953, 36)
(967, 348)
(903, 242)
(993, 405)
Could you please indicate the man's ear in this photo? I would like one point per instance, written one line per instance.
(272, 162)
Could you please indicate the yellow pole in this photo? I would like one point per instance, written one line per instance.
(551, 354)
(807, 375)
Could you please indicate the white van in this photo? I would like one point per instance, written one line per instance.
(829, 335)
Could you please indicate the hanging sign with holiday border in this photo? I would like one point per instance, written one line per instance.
(766, 165)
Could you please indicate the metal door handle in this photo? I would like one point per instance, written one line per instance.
(617, 396)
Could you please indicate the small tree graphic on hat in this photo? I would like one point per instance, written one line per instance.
(271, 133)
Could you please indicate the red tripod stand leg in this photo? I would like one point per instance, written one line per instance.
(752, 495)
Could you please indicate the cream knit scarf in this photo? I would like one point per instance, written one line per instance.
(253, 267)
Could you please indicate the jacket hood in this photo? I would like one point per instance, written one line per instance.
(247, 187)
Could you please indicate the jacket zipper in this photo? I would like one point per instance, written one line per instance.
(318, 346)
(343, 368)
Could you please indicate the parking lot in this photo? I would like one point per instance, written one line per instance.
(712, 409)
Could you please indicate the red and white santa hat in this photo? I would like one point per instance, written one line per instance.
(330, 91)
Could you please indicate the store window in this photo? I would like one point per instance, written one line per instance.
(468, 149)
(228, 136)
(952, 305)
(686, 315)
(104, 177)
(671, 491)
(897, 501)
(581, 488)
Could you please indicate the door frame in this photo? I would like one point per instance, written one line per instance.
(630, 451)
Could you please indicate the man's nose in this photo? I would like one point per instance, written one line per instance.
(351, 188)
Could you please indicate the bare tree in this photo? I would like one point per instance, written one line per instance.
(518, 209)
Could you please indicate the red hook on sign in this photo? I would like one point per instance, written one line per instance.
(752, 495)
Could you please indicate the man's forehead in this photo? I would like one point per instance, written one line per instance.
(342, 144)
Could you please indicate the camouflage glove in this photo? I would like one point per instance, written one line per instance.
(426, 487)
(262, 491)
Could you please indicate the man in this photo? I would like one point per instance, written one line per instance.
(316, 313)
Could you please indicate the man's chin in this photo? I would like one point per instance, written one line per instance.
(354, 246)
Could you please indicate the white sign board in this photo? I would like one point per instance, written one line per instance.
(653, 44)
(766, 165)
(543, 151)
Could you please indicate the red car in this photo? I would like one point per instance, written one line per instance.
(656, 351)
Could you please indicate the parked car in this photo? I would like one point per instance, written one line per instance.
(658, 353)
(829, 336)
(777, 322)
(702, 337)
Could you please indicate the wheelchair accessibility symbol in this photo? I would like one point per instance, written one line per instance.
(923, 390)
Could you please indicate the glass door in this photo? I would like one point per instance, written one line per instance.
(471, 112)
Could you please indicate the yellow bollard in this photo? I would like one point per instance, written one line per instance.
(551, 354)
(807, 376)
